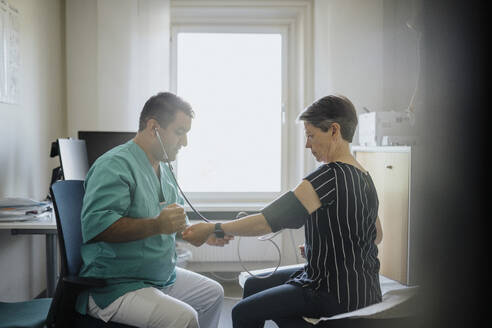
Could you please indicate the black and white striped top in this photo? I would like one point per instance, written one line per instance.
(340, 249)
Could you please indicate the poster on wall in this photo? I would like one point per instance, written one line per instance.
(9, 53)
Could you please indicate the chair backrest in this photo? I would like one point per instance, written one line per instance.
(67, 199)
(68, 196)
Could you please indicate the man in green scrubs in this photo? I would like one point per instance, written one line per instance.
(130, 216)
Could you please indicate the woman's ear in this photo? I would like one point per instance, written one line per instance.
(335, 129)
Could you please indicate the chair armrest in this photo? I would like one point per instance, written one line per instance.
(84, 282)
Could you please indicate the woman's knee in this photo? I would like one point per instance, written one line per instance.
(250, 287)
(240, 312)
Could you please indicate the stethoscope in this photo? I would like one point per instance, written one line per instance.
(166, 159)
(240, 214)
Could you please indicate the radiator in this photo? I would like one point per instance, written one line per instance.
(251, 250)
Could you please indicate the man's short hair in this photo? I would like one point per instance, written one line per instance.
(332, 109)
(163, 107)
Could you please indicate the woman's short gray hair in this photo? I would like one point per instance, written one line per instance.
(332, 109)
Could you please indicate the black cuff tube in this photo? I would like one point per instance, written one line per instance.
(285, 212)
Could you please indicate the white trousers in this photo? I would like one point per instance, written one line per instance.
(193, 301)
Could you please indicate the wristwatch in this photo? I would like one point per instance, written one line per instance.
(219, 233)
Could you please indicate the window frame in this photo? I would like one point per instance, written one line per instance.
(290, 19)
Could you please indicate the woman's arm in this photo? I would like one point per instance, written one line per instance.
(255, 224)
(307, 196)
(251, 225)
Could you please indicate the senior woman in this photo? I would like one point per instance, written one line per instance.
(338, 206)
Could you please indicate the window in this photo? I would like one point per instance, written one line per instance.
(234, 82)
(236, 72)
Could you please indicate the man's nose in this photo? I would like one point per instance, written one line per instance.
(184, 141)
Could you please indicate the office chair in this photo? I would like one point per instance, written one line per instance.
(67, 197)
(29, 314)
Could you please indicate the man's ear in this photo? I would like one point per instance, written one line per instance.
(152, 125)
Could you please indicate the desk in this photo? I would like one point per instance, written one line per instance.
(42, 227)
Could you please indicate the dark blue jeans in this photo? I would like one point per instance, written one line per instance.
(286, 304)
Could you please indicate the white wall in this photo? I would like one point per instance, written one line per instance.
(117, 57)
(26, 132)
(348, 48)
(400, 55)
(364, 50)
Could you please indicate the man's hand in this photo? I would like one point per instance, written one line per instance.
(302, 250)
(171, 219)
(214, 241)
(198, 233)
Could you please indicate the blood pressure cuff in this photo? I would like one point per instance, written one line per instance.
(285, 212)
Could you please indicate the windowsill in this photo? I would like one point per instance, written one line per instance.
(226, 207)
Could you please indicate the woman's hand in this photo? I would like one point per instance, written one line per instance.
(214, 241)
(198, 233)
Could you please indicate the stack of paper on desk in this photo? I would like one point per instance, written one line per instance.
(23, 209)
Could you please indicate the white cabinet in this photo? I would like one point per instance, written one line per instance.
(390, 169)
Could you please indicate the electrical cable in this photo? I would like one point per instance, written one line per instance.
(232, 298)
(412, 99)
(223, 278)
(262, 276)
(267, 237)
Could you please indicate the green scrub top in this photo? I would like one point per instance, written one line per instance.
(122, 183)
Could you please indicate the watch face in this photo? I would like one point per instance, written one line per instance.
(219, 233)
